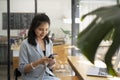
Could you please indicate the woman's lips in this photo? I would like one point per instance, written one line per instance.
(42, 35)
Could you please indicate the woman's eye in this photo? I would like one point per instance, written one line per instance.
(40, 29)
(43, 29)
(46, 29)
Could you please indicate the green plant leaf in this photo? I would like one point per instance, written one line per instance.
(109, 36)
(107, 19)
(113, 48)
(65, 31)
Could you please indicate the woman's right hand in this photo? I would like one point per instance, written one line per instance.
(45, 60)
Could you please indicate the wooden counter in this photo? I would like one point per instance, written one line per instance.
(80, 66)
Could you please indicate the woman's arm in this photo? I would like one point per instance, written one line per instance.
(24, 65)
(34, 65)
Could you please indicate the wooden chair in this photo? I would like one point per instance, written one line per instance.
(15, 62)
(16, 74)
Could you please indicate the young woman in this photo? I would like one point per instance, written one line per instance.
(34, 51)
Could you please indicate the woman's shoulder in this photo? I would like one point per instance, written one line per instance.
(50, 41)
(24, 42)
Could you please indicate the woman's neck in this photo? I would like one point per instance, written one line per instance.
(41, 43)
(39, 39)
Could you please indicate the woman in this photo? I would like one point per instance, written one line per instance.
(35, 50)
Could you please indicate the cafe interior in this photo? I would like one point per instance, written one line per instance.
(65, 26)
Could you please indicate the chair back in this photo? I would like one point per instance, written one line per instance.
(17, 73)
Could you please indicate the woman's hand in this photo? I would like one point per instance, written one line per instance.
(45, 60)
(51, 63)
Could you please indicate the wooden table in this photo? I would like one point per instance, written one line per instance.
(80, 66)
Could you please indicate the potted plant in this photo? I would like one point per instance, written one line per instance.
(67, 34)
(106, 22)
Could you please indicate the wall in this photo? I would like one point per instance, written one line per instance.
(55, 9)
(3, 8)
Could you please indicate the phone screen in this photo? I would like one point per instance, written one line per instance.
(52, 56)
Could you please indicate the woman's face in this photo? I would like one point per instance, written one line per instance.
(42, 30)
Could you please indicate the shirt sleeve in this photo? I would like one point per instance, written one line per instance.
(23, 57)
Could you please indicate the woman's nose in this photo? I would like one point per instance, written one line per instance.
(44, 31)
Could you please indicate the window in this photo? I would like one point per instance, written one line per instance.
(89, 5)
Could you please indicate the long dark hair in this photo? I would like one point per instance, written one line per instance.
(37, 20)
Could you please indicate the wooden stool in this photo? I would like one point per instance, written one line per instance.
(69, 78)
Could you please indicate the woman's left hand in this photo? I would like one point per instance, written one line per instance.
(51, 63)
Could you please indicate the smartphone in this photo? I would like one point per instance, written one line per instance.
(52, 56)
